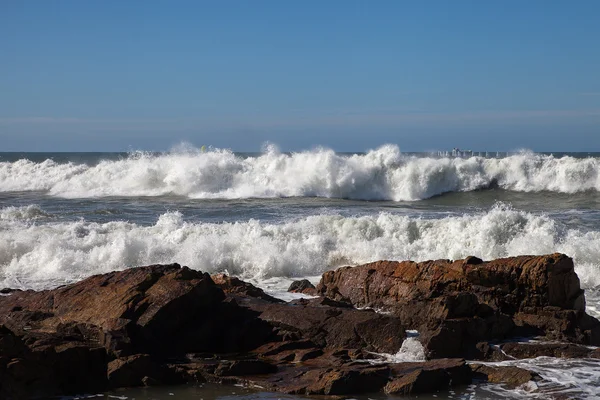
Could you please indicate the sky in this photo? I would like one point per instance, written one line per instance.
(350, 75)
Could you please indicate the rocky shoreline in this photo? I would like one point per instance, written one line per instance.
(167, 324)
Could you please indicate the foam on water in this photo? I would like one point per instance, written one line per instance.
(411, 351)
(562, 378)
(381, 174)
(44, 253)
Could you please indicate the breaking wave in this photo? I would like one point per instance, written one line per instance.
(381, 174)
(42, 253)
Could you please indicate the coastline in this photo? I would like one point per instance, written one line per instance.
(166, 324)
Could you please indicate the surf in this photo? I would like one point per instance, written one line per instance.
(380, 174)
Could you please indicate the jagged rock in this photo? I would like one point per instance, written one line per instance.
(145, 306)
(303, 286)
(46, 370)
(455, 305)
(531, 350)
(244, 367)
(165, 324)
(316, 377)
(430, 376)
(509, 375)
(233, 285)
(333, 327)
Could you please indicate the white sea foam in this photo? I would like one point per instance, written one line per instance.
(381, 174)
(411, 351)
(28, 213)
(562, 378)
(39, 254)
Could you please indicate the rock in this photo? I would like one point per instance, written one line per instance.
(455, 305)
(303, 286)
(166, 324)
(11, 346)
(140, 370)
(321, 376)
(333, 327)
(319, 379)
(130, 371)
(53, 370)
(430, 376)
(244, 367)
(532, 350)
(509, 375)
(233, 285)
(145, 306)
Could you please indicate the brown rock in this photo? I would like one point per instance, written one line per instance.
(509, 375)
(130, 371)
(145, 305)
(455, 305)
(233, 285)
(334, 327)
(303, 286)
(244, 367)
(342, 380)
(429, 376)
(532, 350)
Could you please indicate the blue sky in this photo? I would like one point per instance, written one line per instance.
(350, 75)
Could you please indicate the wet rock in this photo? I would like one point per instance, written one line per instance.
(509, 375)
(233, 285)
(533, 350)
(333, 327)
(244, 367)
(430, 376)
(341, 380)
(167, 324)
(457, 304)
(145, 306)
(303, 286)
(130, 371)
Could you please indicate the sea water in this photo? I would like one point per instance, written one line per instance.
(273, 217)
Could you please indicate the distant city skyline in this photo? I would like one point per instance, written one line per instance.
(348, 75)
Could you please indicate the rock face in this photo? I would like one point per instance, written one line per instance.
(457, 304)
(303, 286)
(166, 324)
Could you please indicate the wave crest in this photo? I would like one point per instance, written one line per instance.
(380, 174)
(35, 255)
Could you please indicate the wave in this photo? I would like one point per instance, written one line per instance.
(381, 174)
(42, 254)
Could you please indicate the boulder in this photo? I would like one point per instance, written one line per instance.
(429, 376)
(331, 327)
(137, 310)
(303, 286)
(456, 304)
(508, 375)
(166, 324)
(233, 285)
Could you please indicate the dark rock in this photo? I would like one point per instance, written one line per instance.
(342, 380)
(130, 371)
(334, 327)
(509, 375)
(233, 285)
(244, 367)
(146, 305)
(430, 376)
(532, 350)
(303, 286)
(455, 305)
(165, 324)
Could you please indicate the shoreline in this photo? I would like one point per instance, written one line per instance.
(167, 324)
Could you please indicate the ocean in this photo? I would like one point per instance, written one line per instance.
(274, 217)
